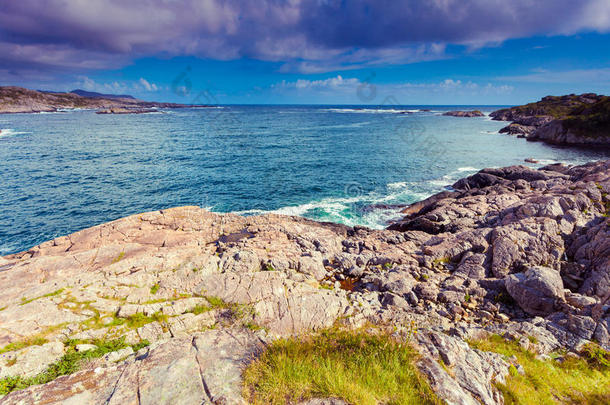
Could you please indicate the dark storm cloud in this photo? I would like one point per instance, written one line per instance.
(305, 34)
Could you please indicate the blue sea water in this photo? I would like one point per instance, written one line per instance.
(62, 172)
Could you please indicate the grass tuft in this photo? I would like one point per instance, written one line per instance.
(573, 381)
(361, 368)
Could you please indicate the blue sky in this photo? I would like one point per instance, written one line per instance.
(310, 52)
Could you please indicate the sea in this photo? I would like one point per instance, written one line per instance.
(356, 165)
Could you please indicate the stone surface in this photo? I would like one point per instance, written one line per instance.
(538, 290)
(505, 245)
(468, 374)
(31, 360)
(202, 369)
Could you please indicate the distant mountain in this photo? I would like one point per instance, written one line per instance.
(93, 94)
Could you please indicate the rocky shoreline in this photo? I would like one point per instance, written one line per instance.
(20, 100)
(581, 120)
(513, 251)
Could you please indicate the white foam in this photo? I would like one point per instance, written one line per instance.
(451, 177)
(6, 132)
(370, 110)
(400, 184)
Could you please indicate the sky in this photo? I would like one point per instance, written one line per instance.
(408, 52)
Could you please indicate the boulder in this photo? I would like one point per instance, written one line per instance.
(537, 290)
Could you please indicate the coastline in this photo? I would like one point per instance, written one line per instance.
(443, 269)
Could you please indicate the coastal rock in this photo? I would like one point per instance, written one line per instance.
(31, 360)
(565, 120)
(537, 290)
(467, 114)
(123, 110)
(473, 372)
(204, 368)
(518, 129)
(491, 256)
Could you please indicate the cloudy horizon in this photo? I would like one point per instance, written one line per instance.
(306, 51)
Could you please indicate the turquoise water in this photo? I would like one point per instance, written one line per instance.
(62, 172)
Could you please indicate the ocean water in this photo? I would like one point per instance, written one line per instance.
(62, 172)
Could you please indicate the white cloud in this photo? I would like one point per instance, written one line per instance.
(354, 87)
(330, 83)
(148, 86)
(586, 76)
(116, 87)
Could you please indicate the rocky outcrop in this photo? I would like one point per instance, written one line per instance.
(567, 120)
(466, 114)
(19, 100)
(515, 251)
(121, 110)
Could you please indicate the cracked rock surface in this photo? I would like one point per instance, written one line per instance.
(513, 251)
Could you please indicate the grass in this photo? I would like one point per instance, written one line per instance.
(118, 258)
(574, 381)
(138, 320)
(237, 312)
(361, 368)
(69, 363)
(154, 289)
(51, 294)
(32, 341)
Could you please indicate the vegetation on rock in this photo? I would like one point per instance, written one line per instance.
(70, 363)
(359, 367)
(560, 379)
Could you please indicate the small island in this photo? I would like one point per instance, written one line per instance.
(464, 114)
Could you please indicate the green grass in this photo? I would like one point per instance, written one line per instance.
(138, 320)
(574, 381)
(213, 303)
(361, 368)
(70, 363)
(118, 258)
(52, 294)
(154, 289)
(32, 341)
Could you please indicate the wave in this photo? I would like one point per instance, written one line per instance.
(338, 126)
(374, 210)
(452, 177)
(6, 132)
(370, 110)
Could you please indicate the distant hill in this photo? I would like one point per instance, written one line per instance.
(93, 94)
(20, 100)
